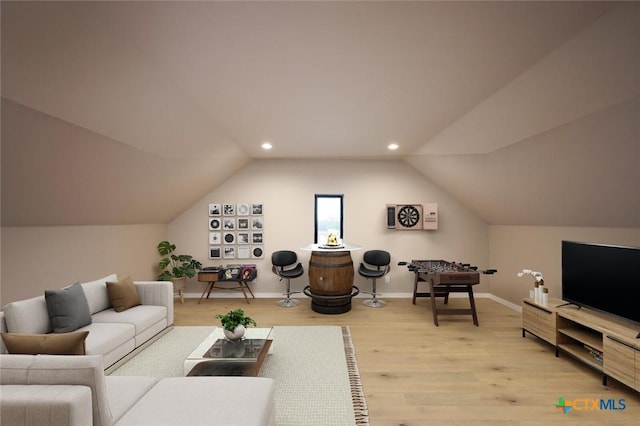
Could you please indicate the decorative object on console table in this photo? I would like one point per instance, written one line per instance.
(176, 267)
(538, 287)
(234, 323)
(545, 296)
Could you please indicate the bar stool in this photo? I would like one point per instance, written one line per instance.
(280, 260)
(381, 260)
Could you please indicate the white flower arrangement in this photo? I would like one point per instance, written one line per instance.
(535, 274)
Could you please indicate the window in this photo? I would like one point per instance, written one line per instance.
(328, 216)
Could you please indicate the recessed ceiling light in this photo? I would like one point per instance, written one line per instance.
(393, 146)
(266, 146)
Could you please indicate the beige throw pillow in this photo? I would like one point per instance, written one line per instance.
(49, 344)
(123, 294)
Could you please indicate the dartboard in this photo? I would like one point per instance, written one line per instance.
(408, 216)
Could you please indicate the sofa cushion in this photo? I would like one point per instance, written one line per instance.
(122, 294)
(52, 405)
(51, 344)
(159, 293)
(125, 391)
(142, 316)
(68, 308)
(249, 401)
(96, 293)
(27, 316)
(60, 370)
(104, 338)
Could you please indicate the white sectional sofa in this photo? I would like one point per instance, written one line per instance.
(73, 390)
(111, 334)
(67, 390)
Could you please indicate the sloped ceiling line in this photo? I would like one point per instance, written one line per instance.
(138, 87)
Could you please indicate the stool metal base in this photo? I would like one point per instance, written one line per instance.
(288, 303)
(374, 303)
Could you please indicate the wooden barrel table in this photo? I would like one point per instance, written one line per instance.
(331, 281)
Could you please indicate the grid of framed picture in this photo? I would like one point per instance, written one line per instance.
(236, 231)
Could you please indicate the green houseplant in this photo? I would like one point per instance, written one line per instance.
(234, 323)
(176, 267)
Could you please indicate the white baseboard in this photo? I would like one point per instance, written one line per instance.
(238, 295)
(505, 302)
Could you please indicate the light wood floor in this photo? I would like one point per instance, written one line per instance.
(415, 373)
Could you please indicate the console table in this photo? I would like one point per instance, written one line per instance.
(211, 277)
(605, 344)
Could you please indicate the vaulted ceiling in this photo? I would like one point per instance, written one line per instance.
(527, 112)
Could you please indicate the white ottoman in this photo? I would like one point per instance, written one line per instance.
(241, 401)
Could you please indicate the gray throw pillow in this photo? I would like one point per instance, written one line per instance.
(68, 308)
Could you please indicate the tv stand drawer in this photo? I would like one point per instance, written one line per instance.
(539, 320)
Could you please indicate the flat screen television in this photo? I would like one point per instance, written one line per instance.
(602, 277)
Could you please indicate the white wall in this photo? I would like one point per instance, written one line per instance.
(35, 259)
(39, 258)
(513, 248)
(287, 188)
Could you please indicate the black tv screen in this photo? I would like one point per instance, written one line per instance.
(602, 277)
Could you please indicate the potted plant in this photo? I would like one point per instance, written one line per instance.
(176, 267)
(234, 323)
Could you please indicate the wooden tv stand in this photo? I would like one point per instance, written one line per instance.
(604, 343)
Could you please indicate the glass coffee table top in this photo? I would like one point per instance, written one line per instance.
(218, 356)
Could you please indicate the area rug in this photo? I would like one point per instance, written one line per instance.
(314, 369)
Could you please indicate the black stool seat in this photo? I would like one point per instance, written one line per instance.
(371, 273)
(292, 273)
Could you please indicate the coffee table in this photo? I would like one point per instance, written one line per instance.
(217, 356)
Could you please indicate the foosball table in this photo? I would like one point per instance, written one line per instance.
(444, 278)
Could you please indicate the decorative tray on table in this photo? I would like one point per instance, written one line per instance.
(331, 246)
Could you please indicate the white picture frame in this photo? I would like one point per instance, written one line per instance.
(243, 223)
(257, 223)
(243, 238)
(229, 238)
(244, 252)
(257, 209)
(215, 238)
(228, 223)
(229, 252)
(215, 224)
(256, 237)
(215, 209)
(228, 209)
(215, 252)
(243, 209)
(257, 252)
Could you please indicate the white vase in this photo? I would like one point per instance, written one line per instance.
(236, 334)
